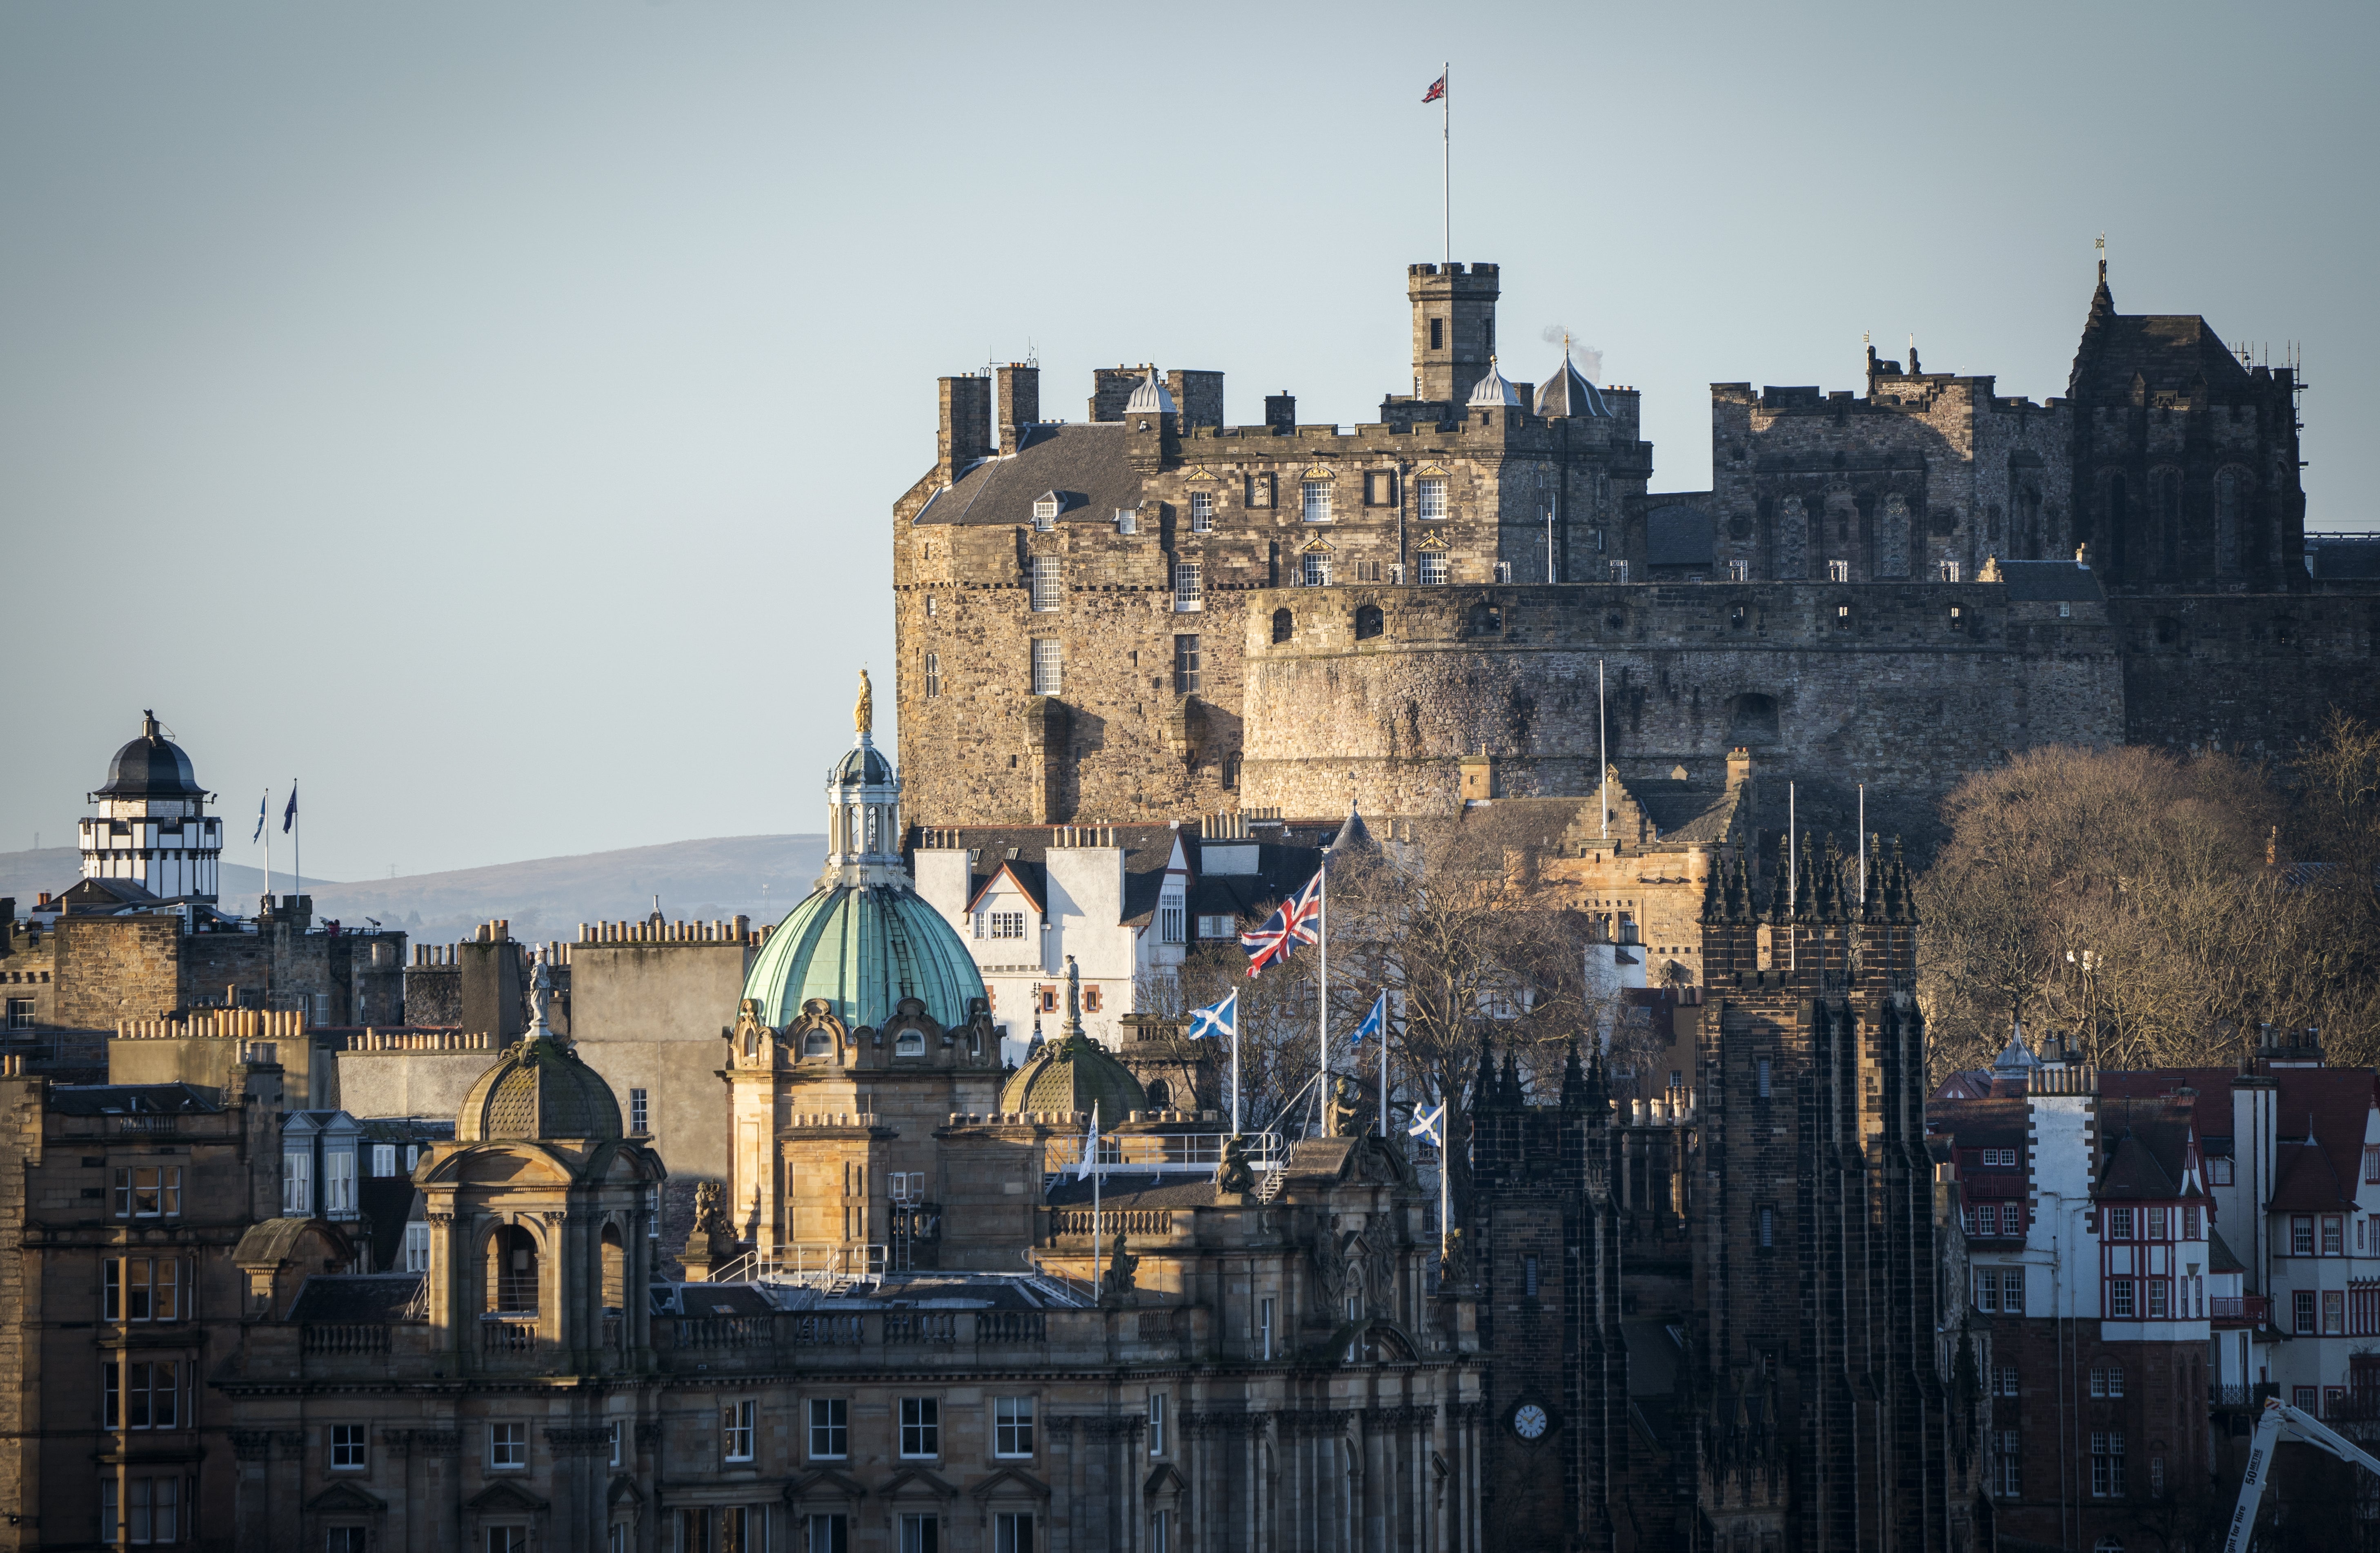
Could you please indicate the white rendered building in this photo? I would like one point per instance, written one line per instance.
(152, 829)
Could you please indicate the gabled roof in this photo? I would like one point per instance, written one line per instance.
(2134, 1172)
(2305, 1181)
(1029, 878)
(2169, 352)
(1087, 466)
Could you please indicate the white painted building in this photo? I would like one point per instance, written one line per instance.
(152, 829)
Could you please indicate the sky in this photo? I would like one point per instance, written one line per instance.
(488, 416)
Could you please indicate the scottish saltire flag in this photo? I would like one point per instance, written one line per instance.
(1294, 923)
(1430, 1126)
(1437, 90)
(264, 813)
(1375, 1023)
(290, 816)
(1216, 1019)
(1090, 1145)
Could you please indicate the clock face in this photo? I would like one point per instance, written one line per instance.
(1529, 1421)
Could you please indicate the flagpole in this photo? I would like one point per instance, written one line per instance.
(1792, 880)
(1322, 1019)
(296, 839)
(1863, 828)
(265, 825)
(1235, 1069)
(1446, 154)
(1602, 752)
(1384, 1067)
(1094, 1146)
(1445, 1179)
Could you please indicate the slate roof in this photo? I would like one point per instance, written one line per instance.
(2306, 1180)
(1084, 465)
(2220, 1257)
(2168, 351)
(355, 1297)
(133, 1099)
(1148, 849)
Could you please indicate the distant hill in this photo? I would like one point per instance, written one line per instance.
(757, 876)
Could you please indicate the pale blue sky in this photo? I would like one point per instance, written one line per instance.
(490, 413)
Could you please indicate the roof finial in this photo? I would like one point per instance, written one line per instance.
(2102, 246)
(863, 716)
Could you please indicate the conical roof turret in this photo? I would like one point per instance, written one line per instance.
(1493, 390)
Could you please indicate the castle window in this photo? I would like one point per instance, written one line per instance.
(1189, 587)
(1202, 512)
(1949, 569)
(639, 1110)
(1231, 771)
(1380, 489)
(1760, 1077)
(1045, 514)
(1842, 616)
(1283, 626)
(1619, 571)
(1737, 616)
(1438, 334)
(1430, 494)
(1314, 569)
(1504, 572)
(1314, 499)
(1047, 674)
(1045, 583)
(1528, 1277)
(1957, 617)
(931, 610)
(1369, 622)
(1430, 568)
(1738, 571)
(1839, 571)
(1367, 571)
(1186, 665)
(933, 674)
(1767, 1227)
(1127, 520)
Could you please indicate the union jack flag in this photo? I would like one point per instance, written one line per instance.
(1296, 922)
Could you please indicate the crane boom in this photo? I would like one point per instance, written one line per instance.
(2279, 1415)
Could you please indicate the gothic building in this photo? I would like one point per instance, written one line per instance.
(1720, 1321)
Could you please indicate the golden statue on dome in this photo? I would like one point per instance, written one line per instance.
(862, 717)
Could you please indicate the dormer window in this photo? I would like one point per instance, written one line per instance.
(1127, 520)
(910, 1042)
(1045, 512)
(818, 1043)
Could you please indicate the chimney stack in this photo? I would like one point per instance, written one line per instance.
(966, 433)
(1020, 403)
(1280, 411)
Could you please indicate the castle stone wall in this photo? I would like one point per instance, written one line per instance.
(2252, 673)
(1901, 698)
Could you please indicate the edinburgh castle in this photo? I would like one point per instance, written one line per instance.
(1893, 587)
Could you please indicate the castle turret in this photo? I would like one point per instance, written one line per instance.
(1453, 328)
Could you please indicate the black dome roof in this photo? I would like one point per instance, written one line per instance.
(862, 764)
(151, 766)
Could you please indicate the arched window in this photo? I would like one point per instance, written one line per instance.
(512, 1270)
(2230, 510)
(909, 1043)
(1752, 719)
(615, 1269)
(1369, 621)
(1160, 1097)
(1283, 626)
(818, 1043)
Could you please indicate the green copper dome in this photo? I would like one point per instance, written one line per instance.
(1069, 1075)
(863, 948)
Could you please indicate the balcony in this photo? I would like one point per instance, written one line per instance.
(2238, 1309)
(957, 1340)
(508, 1332)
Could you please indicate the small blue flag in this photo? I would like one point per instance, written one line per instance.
(264, 813)
(290, 816)
(1377, 1022)
(1216, 1019)
(1428, 1125)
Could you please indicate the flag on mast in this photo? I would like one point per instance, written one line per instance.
(1090, 1145)
(264, 813)
(1291, 924)
(1429, 1126)
(1375, 1023)
(1437, 90)
(289, 814)
(1220, 1019)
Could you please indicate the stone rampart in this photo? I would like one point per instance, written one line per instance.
(1914, 685)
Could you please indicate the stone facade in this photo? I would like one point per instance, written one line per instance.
(1861, 595)
(1721, 1321)
(126, 1275)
